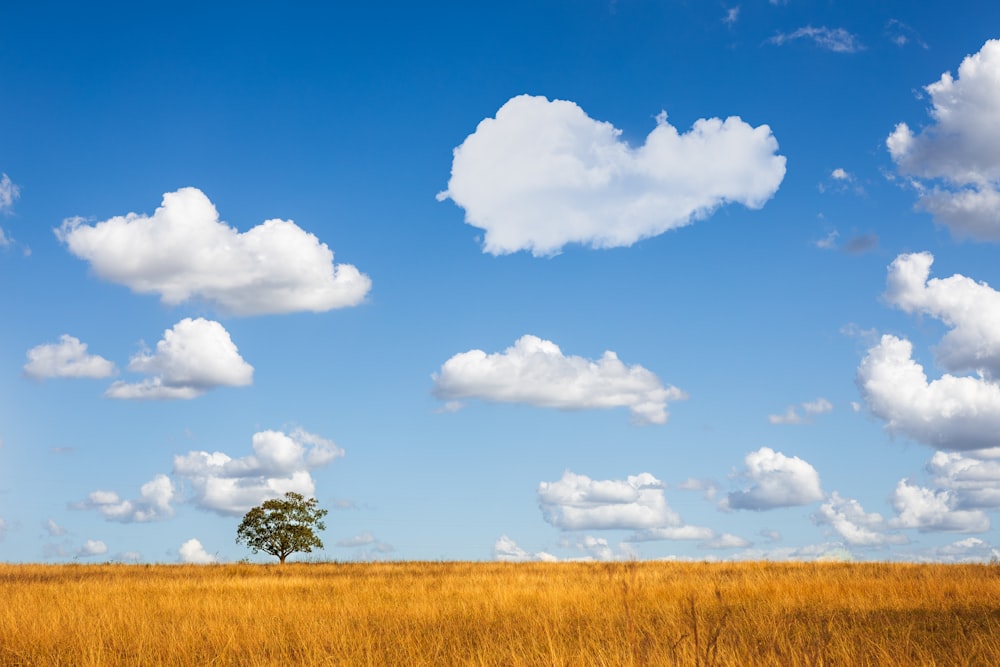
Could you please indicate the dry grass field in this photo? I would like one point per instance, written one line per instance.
(409, 613)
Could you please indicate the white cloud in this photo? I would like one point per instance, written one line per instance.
(776, 481)
(951, 412)
(53, 529)
(9, 192)
(192, 552)
(793, 416)
(577, 502)
(971, 309)
(968, 550)
(974, 481)
(280, 463)
(66, 359)
(92, 548)
(506, 549)
(732, 16)
(3, 529)
(194, 356)
(857, 527)
(930, 511)
(956, 159)
(726, 541)
(543, 174)
(840, 174)
(837, 40)
(153, 503)
(5, 241)
(184, 252)
(902, 34)
(673, 533)
(535, 371)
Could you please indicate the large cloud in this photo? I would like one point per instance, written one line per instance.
(543, 174)
(280, 463)
(776, 481)
(153, 503)
(66, 359)
(957, 413)
(184, 252)
(956, 159)
(194, 356)
(970, 308)
(535, 371)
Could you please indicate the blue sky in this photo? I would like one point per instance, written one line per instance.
(520, 281)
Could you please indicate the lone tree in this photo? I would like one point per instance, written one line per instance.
(282, 526)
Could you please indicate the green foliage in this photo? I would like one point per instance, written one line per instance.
(283, 526)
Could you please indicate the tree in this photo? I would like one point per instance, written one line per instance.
(282, 526)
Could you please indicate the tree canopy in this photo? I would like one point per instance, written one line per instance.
(283, 526)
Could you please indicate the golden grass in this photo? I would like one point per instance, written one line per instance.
(406, 613)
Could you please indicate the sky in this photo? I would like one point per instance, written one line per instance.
(520, 281)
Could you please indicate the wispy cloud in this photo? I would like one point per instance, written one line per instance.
(837, 40)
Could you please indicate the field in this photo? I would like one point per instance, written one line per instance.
(409, 613)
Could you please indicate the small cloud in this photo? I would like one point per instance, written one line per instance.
(726, 541)
(196, 355)
(902, 34)
(829, 242)
(732, 16)
(92, 548)
(839, 174)
(153, 503)
(801, 414)
(776, 481)
(192, 552)
(577, 502)
(536, 372)
(9, 192)
(53, 529)
(66, 359)
(837, 40)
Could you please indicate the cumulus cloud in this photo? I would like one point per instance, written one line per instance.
(66, 359)
(857, 527)
(9, 192)
(955, 161)
(281, 462)
(192, 552)
(955, 413)
(506, 549)
(968, 550)
(183, 252)
(543, 174)
(536, 372)
(776, 481)
(153, 503)
(837, 40)
(974, 481)
(928, 510)
(577, 502)
(794, 416)
(53, 529)
(971, 309)
(194, 356)
(92, 548)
